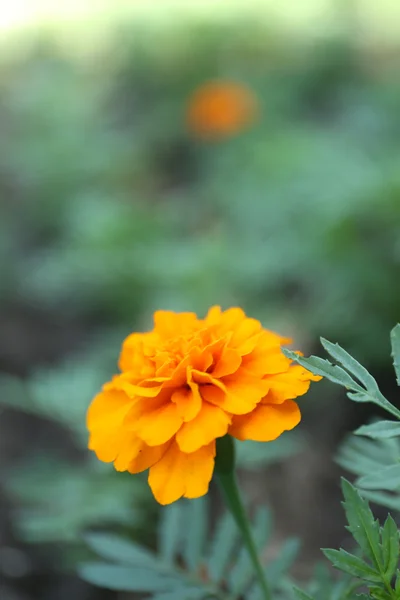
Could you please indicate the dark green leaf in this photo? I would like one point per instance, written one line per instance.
(302, 595)
(128, 579)
(222, 546)
(387, 478)
(382, 429)
(117, 549)
(170, 532)
(362, 525)
(395, 340)
(352, 565)
(390, 547)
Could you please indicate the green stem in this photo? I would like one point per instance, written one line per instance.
(224, 467)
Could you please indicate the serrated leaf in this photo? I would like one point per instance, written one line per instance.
(195, 529)
(395, 341)
(115, 548)
(324, 368)
(351, 364)
(287, 555)
(170, 532)
(352, 565)
(222, 546)
(387, 478)
(127, 578)
(390, 547)
(362, 525)
(380, 430)
(301, 595)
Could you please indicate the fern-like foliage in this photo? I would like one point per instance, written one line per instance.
(188, 566)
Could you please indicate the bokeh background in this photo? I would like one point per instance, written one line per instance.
(114, 202)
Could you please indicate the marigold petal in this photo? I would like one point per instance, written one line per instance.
(188, 401)
(266, 363)
(169, 324)
(105, 444)
(291, 384)
(147, 457)
(266, 422)
(228, 363)
(108, 410)
(178, 474)
(209, 424)
(160, 425)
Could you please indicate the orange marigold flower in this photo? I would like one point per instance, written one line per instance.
(218, 109)
(186, 383)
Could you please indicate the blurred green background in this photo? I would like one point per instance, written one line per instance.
(111, 208)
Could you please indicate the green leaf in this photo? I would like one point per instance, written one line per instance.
(195, 530)
(222, 546)
(287, 555)
(170, 532)
(387, 478)
(362, 525)
(184, 593)
(128, 579)
(390, 547)
(243, 571)
(380, 430)
(302, 595)
(395, 340)
(321, 366)
(351, 364)
(115, 548)
(352, 565)
(391, 501)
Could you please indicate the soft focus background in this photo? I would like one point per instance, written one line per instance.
(113, 203)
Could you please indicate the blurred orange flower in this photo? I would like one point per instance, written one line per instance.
(186, 383)
(221, 108)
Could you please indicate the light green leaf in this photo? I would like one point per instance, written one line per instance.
(222, 546)
(287, 555)
(243, 571)
(195, 531)
(390, 547)
(395, 340)
(382, 429)
(362, 525)
(320, 366)
(115, 548)
(302, 595)
(352, 565)
(170, 532)
(387, 478)
(127, 579)
(351, 364)
(184, 593)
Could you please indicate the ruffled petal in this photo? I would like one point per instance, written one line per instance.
(291, 384)
(107, 410)
(188, 402)
(178, 474)
(210, 423)
(228, 363)
(266, 422)
(169, 324)
(147, 457)
(158, 426)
